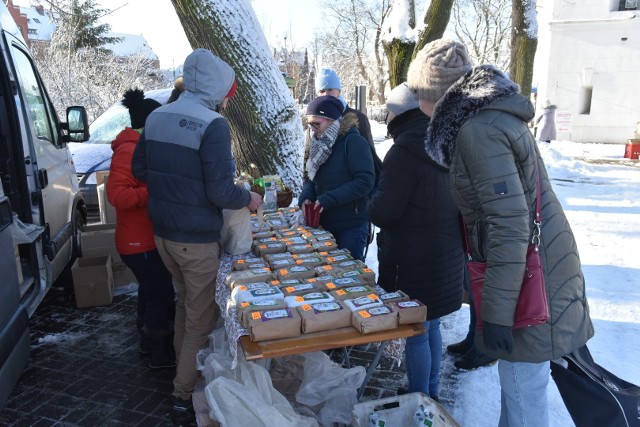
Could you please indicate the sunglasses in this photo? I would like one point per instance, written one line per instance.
(315, 125)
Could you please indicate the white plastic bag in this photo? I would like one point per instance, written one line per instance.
(235, 235)
(329, 387)
(251, 400)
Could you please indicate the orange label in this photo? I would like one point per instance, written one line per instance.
(311, 280)
(324, 253)
(240, 261)
(262, 246)
(331, 259)
(328, 244)
(289, 289)
(294, 256)
(364, 313)
(267, 269)
(299, 299)
(367, 270)
(243, 288)
(340, 292)
(256, 315)
(299, 261)
(284, 272)
(275, 282)
(244, 304)
(328, 267)
(330, 286)
(373, 296)
(306, 307)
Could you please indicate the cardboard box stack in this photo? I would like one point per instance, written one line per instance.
(99, 240)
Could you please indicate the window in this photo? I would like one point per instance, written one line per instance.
(584, 101)
(34, 99)
(628, 5)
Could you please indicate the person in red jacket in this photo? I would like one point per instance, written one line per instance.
(135, 242)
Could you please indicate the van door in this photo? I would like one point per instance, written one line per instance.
(55, 185)
(14, 326)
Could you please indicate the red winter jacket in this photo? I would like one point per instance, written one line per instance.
(134, 231)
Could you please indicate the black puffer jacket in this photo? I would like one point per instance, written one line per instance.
(479, 130)
(420, 245)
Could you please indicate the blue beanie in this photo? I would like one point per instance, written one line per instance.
(327, 79)
(326, 106)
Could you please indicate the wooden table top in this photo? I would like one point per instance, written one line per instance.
(323, 340)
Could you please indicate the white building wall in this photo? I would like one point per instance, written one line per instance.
(589, 44)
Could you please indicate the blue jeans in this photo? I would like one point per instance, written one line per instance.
(423, 355)
(523, 394)
(354, 239)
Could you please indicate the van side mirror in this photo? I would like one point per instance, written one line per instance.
(77, 125)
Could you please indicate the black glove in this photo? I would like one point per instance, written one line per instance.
(498, 337)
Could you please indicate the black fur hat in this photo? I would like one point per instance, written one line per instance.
(139, 106)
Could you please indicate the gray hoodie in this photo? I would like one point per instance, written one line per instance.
(184, 156)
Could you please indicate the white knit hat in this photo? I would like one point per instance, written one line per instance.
(436, 67)
(401, 99)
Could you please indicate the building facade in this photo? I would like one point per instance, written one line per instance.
(587, 64)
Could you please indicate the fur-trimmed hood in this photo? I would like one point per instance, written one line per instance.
(350, 120)
(484, 87)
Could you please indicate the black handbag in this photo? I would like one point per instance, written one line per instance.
(594, 396)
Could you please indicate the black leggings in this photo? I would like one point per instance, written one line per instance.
(156, 295)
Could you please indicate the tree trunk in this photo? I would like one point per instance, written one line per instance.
(524, 42)
(398, 54)
(266, 128)
(436, 21)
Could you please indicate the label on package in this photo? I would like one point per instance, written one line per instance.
(324, 307)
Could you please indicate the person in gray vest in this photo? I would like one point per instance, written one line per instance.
(184, 156)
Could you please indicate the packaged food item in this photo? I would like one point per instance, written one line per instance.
(412, 311)
(236, 278)
(277, 224)
(269, 248)
(248, 263)
(274, 324)
(368, 301)
(323, 316)
(312, 297)
(263, 235)
(282, 262)
(300, 249)
(279, 255)
(309, 261)
(289, 282)
(256, 293)
(352, 292)
(374, 319)
(389, 297)
(298, 289)
(244, 309)
(328, 245)
(295, 272)
(335, 283)
(331, 258)
(364, 274)
(294, 240)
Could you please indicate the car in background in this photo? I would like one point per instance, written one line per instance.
(95, 154)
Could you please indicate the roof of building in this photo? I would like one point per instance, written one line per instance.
(40, 25)
(131, 44)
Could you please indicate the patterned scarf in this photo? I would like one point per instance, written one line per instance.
(320, 148)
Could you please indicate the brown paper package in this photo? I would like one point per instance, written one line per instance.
(274, 324)
(324, 316)
(375, 319)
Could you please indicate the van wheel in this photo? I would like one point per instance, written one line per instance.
(78, 223)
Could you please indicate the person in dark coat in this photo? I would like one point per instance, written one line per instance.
(479, 131)
(546, 122)
(339, 174)
(420, 246)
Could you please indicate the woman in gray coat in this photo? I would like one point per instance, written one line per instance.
(546, 122)
(479, 131)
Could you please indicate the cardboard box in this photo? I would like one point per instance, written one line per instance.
(107, 211)
(92, 281)
(100, 240)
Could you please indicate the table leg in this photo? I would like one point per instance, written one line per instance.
(372, 366)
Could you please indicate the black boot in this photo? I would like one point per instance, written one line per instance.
(473, 359)
(161, 349)
(460, 348)
(144, 346)
(182, 413)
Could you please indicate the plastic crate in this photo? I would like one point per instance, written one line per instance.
(398, 411)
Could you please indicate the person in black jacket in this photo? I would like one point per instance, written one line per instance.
(420, 246)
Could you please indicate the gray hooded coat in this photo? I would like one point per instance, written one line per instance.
(184, 156)
(479, 130)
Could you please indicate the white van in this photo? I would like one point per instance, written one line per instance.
(41, 208)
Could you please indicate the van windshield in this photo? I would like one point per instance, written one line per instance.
(105, 128)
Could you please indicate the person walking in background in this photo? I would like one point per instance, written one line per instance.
(134, 239)
(479, 131)
(184, 156)
(420, 241)
(545, 123)
(339, 173)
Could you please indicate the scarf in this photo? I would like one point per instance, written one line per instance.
(320, 148)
